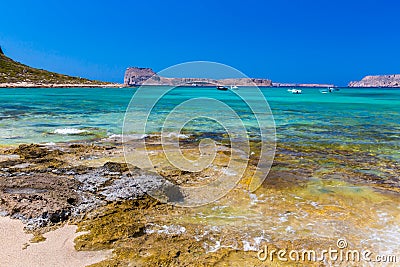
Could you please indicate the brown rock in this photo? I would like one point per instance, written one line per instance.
(378, 81)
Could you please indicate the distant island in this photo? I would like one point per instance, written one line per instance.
(378, 81)
(135, 76)
(15, 74)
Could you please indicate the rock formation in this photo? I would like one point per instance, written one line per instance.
(138, 76)
(378, 81)
(1, 51)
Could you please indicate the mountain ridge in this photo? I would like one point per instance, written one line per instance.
(16, 74)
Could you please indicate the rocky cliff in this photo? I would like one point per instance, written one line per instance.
(135, 76)
(378, 81)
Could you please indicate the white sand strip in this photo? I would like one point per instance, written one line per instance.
(57, 250)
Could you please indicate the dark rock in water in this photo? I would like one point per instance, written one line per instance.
(34, 151)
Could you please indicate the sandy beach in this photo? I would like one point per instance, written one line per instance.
(57, 250)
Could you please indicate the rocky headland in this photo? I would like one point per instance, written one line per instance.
(378, 81)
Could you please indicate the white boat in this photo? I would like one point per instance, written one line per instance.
(295, 91)
(234, 87)
(328, 90)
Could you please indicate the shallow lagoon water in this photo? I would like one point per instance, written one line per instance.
(350, 116)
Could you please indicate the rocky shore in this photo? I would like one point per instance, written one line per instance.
(43, 186)
(90, 185)
(378, 81)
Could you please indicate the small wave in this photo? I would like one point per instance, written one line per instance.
(165, 229)
(255, 244)
(177, 135)
(127, 137)
(49, 144)
(69, 131)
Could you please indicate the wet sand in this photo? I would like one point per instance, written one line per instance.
(57, 250)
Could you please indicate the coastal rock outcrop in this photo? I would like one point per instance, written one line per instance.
(378, 81)
(136, 75)
(38, 187)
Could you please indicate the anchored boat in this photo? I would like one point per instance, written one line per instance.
(295, 91)
(222, 88)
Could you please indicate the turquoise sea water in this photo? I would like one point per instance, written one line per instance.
(367, 117)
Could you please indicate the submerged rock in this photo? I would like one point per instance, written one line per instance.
(34, 151)
(116, 167)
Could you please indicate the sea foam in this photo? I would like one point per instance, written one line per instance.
(66, 131)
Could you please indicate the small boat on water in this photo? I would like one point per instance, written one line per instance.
(234, 87)
(295, 91)
(222, 88)
(329, 90)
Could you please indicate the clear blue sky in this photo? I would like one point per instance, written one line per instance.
(287, 41)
